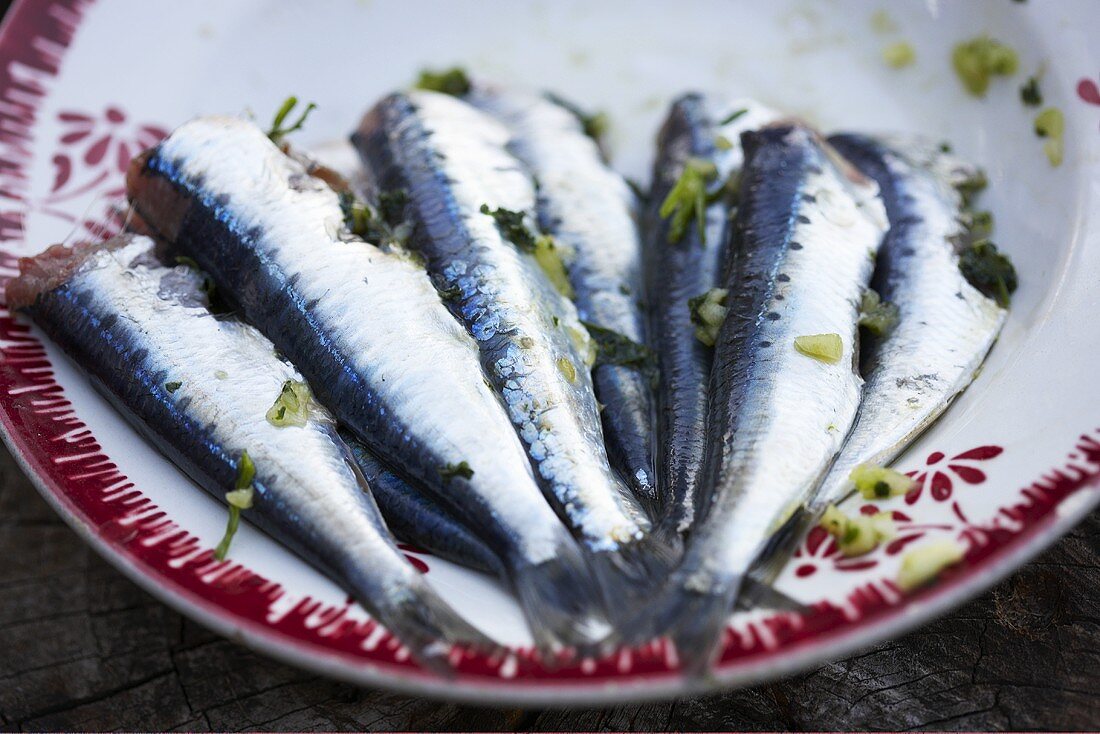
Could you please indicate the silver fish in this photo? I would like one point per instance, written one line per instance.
(591, 212)
(200, 388)
(368, 330)
(452, 161)
(681, 270)
(945, 325)
(807, 230)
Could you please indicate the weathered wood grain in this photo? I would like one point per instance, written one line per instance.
(83, 648)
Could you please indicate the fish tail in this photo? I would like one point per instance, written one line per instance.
(431, 629)
(636, 568)
(563, 606)
(692, 618)
(759, 587)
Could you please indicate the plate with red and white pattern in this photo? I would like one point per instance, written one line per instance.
(87, 84)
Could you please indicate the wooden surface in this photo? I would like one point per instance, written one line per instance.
(83, 648)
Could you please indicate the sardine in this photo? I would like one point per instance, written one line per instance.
(591, 213)
(680, 271)
(803, 245)
(416, 518)
(370, 333)
(452, 162)
(199, 388)
(945, 325)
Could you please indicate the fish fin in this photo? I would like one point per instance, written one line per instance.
(431, 629)
(760, 593)
(562, 604)
(636, 568)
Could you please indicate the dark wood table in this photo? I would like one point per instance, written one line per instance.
(81, 647)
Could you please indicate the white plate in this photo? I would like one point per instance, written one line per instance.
(1011, 467)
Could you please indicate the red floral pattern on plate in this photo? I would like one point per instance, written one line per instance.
(92, 154)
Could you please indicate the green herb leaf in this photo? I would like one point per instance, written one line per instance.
(461, 469)
(453, 81)
(511, 225)
(877, 316)
(238, 499)
(989, 270)
(688, 199)
(277, 131)
(708, 311)
(613, 348)
(594, 124)
(976, 61)
(172, 386)
(733, 116)
(292, 406)
(1030, 94)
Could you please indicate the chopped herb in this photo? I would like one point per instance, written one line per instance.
(292, 406)
(453, 293)
(1030, 94)
(511, 225)
(878, 483)
(383, 226)
(688, 199)
(566, 368)
(733, 116)
(857, 535)
(391, 204)
(945, 147)
(979, 224)
(923, 564)
(708, 311)
(594, 125)
(461, 469)
(453, 81)
(971, 186)
(240, 498)
(976, 61)
(547, 254)
(722, 143)
(1051, 124)
(875, 315)
(172, 386)
(277, 132)
(988, 270)
(823, 347)
(549, 258)
(221, 374)
(899, 55)
(617, 349)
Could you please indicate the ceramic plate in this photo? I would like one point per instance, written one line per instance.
(1013, 465)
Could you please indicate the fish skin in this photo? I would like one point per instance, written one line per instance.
(450, 158)
(368, 330)
(416, 518)
(134, 325)
(945, 327)
(807, 228)
(591, 213)
(679, 271)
